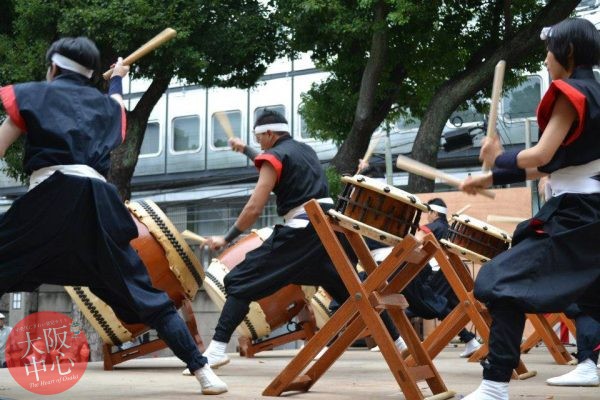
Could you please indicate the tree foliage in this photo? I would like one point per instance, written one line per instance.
(225, 43)
(417, 48)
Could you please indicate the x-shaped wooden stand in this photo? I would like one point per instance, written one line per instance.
(471, 310)
(380, 291)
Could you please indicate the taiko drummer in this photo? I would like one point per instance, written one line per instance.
(71, 228)
(554, 259)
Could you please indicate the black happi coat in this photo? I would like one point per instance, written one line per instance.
(555, 259)
(71, 230)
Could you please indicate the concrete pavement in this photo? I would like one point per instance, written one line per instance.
(359, 374)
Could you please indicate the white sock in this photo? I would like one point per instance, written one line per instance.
(400, 344)
(215, 347)
(584, 374)
(489, 390)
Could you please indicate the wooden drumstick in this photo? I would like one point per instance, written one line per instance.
(496, 92)
(427, 171)
(224, 121)
(372, 145)
(146, 48)
(504, 218)
(462, 210)
(193, 237)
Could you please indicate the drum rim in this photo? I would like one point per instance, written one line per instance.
(491, 229)
(393, 192)
(463, 251)
(250, 326)
(182, 260)
(350, 223)
(112, 332)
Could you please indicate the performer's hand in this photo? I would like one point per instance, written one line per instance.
(362, 164)
(119, 69)
(490, 149)
(472, 184)
(216, 242)
(237, 144)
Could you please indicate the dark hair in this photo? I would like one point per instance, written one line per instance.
(270, 117)
(580, 35)
(438, 202)
(79, 49)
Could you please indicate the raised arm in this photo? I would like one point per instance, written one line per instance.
(9, 133)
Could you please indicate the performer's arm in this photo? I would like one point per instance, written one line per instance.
(9, 133)
(239, 146)
(562, 118)
(115, 86)
(267, 179)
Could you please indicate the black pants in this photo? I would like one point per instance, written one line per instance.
(288, 256)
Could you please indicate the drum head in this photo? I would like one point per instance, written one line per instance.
(320, 305)
(255, 324)
(482, 226)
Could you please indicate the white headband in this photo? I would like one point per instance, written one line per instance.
(67, 63)
(439, 209)
(546, 32)
(281, 127)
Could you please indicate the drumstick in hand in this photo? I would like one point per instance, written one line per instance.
(146, 48)
(372, 145)
(224, 121)
(496, 92)
(427, 171)
(193, 237)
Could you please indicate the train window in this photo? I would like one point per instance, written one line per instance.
(304, 132)
(224, 122)
(521, 102)
(186, 133)
(151, 142)
(258, 110)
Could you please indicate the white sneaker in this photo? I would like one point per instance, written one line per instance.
(489, 390)
(186, 372)
(471, 347)
(215, 353)
(209, 381)
(400, 344)
(584, 374)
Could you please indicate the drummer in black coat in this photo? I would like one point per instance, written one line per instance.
(71, 228)
(293, 254)
(554, 259)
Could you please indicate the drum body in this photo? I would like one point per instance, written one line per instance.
(170, 262)
(377, 210)
(475, 239)
(266, 314)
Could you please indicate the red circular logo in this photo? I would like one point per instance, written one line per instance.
(46, 353)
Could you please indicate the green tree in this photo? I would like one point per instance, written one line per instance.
(390, 58)
(224, 43)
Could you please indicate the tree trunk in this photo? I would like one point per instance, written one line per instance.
(355, 145)
(124, 158)
(475, 77)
